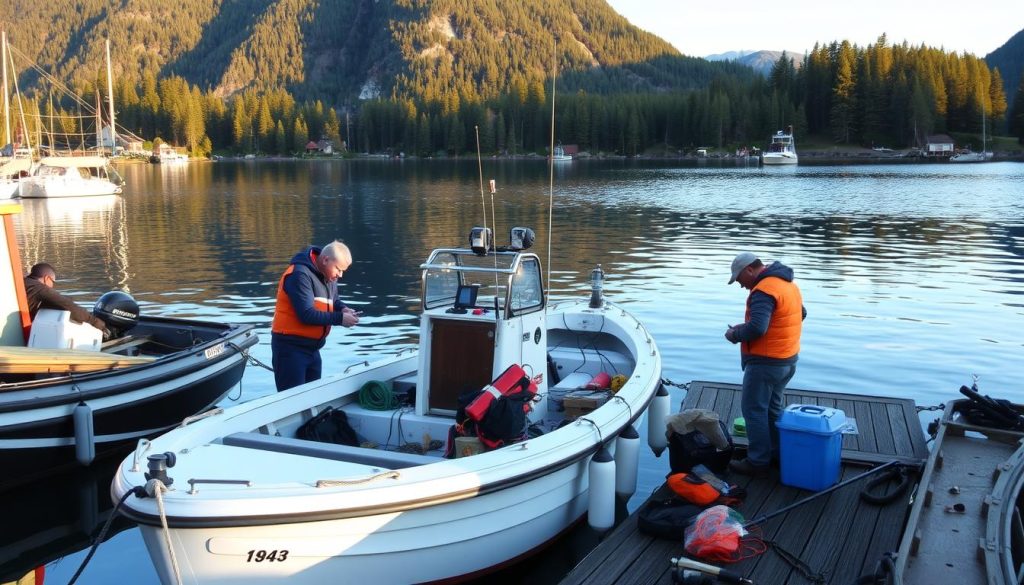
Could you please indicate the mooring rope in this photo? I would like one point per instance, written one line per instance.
(340, 482)
(155, 489)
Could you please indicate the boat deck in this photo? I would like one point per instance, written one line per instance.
(837, 535)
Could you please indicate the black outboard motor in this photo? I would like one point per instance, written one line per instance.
(118, 310)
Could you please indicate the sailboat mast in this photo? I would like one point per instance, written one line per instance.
(7, 104)
(110, 100)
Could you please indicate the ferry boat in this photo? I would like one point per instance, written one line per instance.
(781, 150)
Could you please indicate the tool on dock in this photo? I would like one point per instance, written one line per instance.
(719, 573)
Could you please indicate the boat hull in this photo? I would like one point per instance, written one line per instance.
(446, 541)
(779, 159)
(50, 188)
(37, 429)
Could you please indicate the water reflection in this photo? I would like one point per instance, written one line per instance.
(912, 274)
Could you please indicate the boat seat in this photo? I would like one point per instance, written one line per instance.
(335, 452)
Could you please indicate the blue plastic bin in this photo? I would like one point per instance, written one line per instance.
(811, 444)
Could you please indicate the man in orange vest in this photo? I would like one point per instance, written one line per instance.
(769, 341)
(307, 307)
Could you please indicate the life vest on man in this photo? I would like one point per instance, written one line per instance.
(782, 339)
(286, 318)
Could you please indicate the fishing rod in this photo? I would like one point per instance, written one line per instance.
(766, 517)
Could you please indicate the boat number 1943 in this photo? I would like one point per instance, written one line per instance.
(258, 556)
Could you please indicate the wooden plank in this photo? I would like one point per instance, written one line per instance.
(884, 442)
(32, 360)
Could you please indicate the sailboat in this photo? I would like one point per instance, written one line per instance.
(70, 175)
(968, 155)
(15, 161)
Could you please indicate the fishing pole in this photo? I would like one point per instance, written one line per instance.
(766, 517)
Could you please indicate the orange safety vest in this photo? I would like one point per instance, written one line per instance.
(286, 318)
(782, 339)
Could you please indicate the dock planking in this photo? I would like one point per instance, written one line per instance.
(837, 536)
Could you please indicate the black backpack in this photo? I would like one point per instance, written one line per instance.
(687, 450)
(666, 517)
(330, 426)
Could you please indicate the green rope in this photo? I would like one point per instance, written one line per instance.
(376, 395)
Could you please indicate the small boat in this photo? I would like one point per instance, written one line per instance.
(62, 405)
(967, 155)
(167, 154)
(71, 176)
(781, 150)
(249, 501)
(12, 170)
(560, 156)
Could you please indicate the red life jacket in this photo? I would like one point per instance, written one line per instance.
(500, 409)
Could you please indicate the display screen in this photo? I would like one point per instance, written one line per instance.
(465, 297)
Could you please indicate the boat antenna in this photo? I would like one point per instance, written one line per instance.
(21, 110)
(480, 170)
(7, 105)
(110, 102)
(551, 161)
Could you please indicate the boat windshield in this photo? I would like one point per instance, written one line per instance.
(513, 278)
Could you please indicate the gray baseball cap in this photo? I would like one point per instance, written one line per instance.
(741, 261)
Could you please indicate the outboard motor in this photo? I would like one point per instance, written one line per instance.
(118, 310)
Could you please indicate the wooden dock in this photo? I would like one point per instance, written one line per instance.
(838, 536)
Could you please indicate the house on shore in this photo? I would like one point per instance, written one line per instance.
(938, 145)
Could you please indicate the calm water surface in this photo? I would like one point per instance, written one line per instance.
(912, 275)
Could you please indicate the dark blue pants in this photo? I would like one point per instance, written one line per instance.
(294, 364)
(762, 406)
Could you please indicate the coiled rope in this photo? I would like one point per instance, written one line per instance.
(376, 395)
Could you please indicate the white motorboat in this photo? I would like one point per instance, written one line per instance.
(167, 154)
(967, 155)
(781, 150)
(12, 171)
(71, 176)
(560, 156)
(247, 501)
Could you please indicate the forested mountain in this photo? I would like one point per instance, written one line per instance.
(428, 77)
(339, 50)
(1009, 58)
(760, 61)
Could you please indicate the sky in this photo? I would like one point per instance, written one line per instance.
(707, 27)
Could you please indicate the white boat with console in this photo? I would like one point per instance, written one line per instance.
(71, 176)
(781, 150)
(248, 501)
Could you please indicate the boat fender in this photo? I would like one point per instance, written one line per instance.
(657, 412)
(85, 440)
(901, 473)
(601, 491)
(627, 457)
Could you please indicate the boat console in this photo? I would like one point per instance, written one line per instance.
(483, 310)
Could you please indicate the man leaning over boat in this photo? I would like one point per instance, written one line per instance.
(307, 306)
(41, 294)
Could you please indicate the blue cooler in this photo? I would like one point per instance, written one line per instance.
(810, 444)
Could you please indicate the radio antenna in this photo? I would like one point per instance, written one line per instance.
(494, 252)
(551, 163)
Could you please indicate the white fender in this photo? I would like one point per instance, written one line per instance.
(601, 513)
(657, 412)
(627, 458)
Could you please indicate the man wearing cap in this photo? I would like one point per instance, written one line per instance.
(769, 341)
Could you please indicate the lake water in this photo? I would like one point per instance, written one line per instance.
(911, 274)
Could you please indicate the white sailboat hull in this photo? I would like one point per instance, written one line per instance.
(971, 157)
(9, 188)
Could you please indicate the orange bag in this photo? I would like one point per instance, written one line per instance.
(693, 489)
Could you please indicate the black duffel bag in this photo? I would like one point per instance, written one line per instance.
(330, 426)
(687, 450)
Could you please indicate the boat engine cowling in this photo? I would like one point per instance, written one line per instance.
(118, 310)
